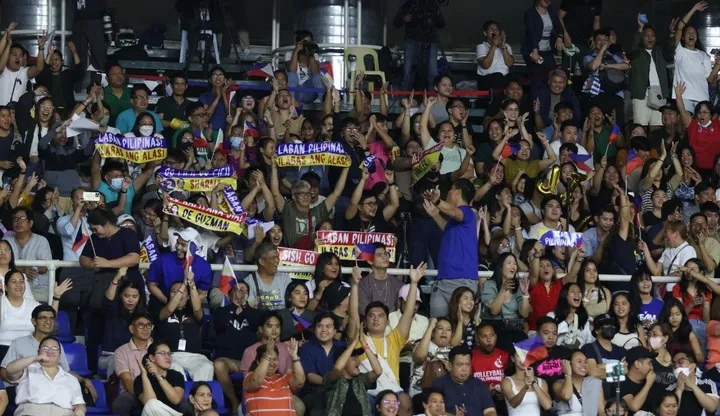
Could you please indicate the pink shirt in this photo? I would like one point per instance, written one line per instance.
(126, 360)
(377, 148)
(284, 361)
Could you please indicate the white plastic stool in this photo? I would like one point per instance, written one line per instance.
(204, 34)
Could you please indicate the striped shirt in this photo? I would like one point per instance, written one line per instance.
(274, 398)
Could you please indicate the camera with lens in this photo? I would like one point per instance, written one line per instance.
(311, 48)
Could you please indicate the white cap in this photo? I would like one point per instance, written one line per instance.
(125, 217)
(189, 234)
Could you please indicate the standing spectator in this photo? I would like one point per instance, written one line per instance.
(175, 106)
(140, 94)
(646, 307)
(544, 35)
(494, 57)
(59, 82)
(429, 353)
(378, 286)
(550, 368)
(216, 100)
(159, 388)
(639, 391)
(117, 93)
(270, 324)
(603, 351)
(88, 32)
(113, 182)
(127, 361)
(362, 213)
(462, 390)
(303, 67)
(30, 246)
(421, 19)
(267, 286)
(179, 322)
(419, 324)
(236, 326)
(43, 387)
(122, 301)
(703, 130)
(15, 75)
(455, 158)
(548, 96)
(459, 254)
(671, 132)
(649, 76)
(693, 66)
(579, 18)
(698, 394)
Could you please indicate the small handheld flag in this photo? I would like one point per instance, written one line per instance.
(580, 161)
(364, 252)
(260, 70)
(227, 277)
(514, 147)
(633, 162)
(81, 238)
(614, 134)
(190, 254)
(531, 350)
(250, 130)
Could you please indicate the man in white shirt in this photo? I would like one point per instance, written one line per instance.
(494, 57)
(677, 252)
(14, 76)
(551, 213)
(569, 133)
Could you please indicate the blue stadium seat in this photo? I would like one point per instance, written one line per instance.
(101, 406)
(217, 395)
(64, 331)
(77, 359)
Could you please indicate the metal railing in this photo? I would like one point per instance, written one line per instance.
(54, 265)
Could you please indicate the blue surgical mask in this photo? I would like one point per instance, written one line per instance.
(235, 142)
(116, 183)
(105, 120)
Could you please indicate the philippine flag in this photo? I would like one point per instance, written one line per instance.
(633, 162)
(250, 130)
(81, 238)
(614, 134)
(260, 70)
(190, 254)
(227, 277)
(364, 252)
(580, 161)
(531, 350)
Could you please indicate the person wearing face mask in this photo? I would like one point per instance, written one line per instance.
(140, 94)
(603, 351)
(698, 394)
(119, 190)
(659, 335)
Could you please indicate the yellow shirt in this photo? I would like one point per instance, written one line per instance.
(512, 168)
(395, 343)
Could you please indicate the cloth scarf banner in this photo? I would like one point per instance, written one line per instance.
(208, 218)
(311, 154)
(138, 150)
(148, 251)
(297, 257)
(423, 162)
(343, 243)
(231, 205)
(202, 181)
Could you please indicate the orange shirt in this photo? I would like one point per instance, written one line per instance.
(274, 398)
(713, 344)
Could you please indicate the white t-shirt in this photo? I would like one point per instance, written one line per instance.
(452, 157)
(303, 72)
(539, 229)
(673, 257)
(654, 78)
(544, 44)
(498, 64)
(692, 68)
(16, 322)
(555, 146)
(10, 79)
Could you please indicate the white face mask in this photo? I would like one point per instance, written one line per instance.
(707, 124)
(146, 131)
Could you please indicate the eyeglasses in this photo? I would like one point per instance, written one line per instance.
(49, 349)
(303, 194)
(19, 219)
(395, 402)
(165, 354)
(140, 97)
(45, 318)
(203, 115)
(144, 326)
(371, 203)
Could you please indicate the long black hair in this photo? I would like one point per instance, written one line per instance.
(700, 287)
(129, 284)
(323, 260)
(497, 276)
(562, 307)
(682, 334)
(633, 322)
(581, 280)
(136, 126)
(634, 294)
(11, 265)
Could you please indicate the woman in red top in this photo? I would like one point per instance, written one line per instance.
(695, 292)
(703, 131)
(545, 287)
(268, 392)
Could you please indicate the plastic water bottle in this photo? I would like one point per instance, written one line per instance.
(352, 60)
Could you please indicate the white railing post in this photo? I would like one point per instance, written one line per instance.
(51, 282)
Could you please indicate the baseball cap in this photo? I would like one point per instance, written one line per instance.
(188, 234)
(405, 291)
(638, 353)
(335, 293)
(640, 143)
(604, 319)
(125, 217)
(669, 106)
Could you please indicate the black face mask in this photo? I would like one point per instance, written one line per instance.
(608, 332)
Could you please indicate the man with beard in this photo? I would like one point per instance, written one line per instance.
(488, 362)
(236, 326)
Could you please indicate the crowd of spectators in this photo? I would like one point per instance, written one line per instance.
(556, 161)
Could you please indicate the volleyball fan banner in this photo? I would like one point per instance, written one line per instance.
(297, 257)
(230, 203)
(423, 162)
(349, 245)
(148, 251)
(138, 150)
(202, 181)
(554, 238)
(208, 218)
(311, 154)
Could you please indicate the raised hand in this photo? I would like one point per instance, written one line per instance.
(680, 89)
(356, 275)
(292, 347)
(417, 274)
(11, 27)
(700, 6)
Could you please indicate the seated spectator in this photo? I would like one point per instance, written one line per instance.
(379, 286)
(708, 249)
(53, 389)
(550, 368)
(364, 213)
(596, 137)
(297, 318)
(603, 351)
(419, 323)
(523, 391)
(677, 253)
(463, 316)
(318, 358)
(122, 301)
(235, 326)
(671, 131)
(345, 379)
(494, 57)
(521, 161)
(639, 391)
(630, 329)
(269, 326)
(455, 158)
(429, 353)
(30, 246)
(698, 394)
(337, 300)
(216, 101)
(513, 91)
(568, 132)
(573, 321)
(159, 388)
(485, 359)
(303, 67)
(69, 226)
(118, 189)
(461, 389)
(267, 286)
(674, 316)
(265, 387)
(327, 270)
(179, 322)
(127, 359)
(551, 212)
(139, 96)
(579, 390)
(515, 300)
(168, 268)
(548, 96)
(16, 310)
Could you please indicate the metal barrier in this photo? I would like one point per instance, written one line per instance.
(53, 265)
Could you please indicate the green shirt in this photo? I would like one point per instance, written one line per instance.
(168, 108)
(336, 393)
(297, 224)
(117, 105)
(601, 143)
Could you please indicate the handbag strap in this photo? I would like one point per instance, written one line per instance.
(577, 394)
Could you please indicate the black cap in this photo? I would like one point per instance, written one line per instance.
(638, 353)
(669, 207)
(640, 143)
(605, 319)
(358, 352)
(335, 293)
(670, 106)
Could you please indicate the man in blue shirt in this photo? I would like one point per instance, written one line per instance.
(318, 355)
(170, 268)
(462, 390)
(458, 258)
(139, 96)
